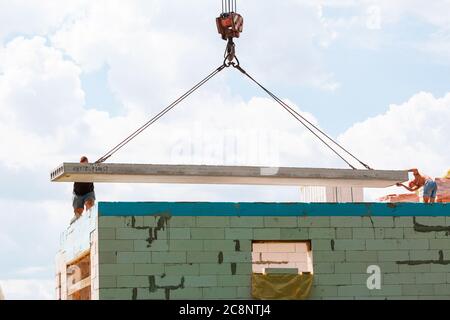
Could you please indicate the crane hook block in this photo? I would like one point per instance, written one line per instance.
(230, 25)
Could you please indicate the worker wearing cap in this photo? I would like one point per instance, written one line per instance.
(428, 184)
(83, 195)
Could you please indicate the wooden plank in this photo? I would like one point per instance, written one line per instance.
(199, 174)
(80, 285)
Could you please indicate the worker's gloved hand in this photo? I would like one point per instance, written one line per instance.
(398, 184)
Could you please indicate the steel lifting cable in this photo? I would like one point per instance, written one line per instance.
(302, 120)
(159, 115)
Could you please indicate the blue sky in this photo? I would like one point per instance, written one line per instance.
(77, 76)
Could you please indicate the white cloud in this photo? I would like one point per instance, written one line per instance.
(32, 289)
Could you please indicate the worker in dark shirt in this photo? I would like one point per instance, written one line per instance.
(83, 195)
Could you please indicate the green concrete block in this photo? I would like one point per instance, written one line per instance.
(359, 279)
(323, 291)
(155, 245)
(169, 257)
(392, 233)
(399, 278)
(186, 245)
(237, 256)
(219, 293)
(363, 233)
(361, 256)
(201, 281)
(313, 222)
(148, 269)
(353, 291)
(394, 255)
(133, 257)
(246, 222)
(203, 257)
(243, 268)
(116, 294)
(150, 221)
(434, 297)
(280, 222)
(343, 244)
(322, 233)
(107, 282)
(244, 245)
(136, 221)
(431, 221)
(403, 222)
(321, 245)
(417, 289)
(386, 267)
(333, 279)
(111, 222)
(379, 222)
(387, 290)
(133, 282)
(351, 267)
(239, 233)
(190, 269)
(294, 234)
(115, 245)
(168, 281)
(442, 235)
(344, 233)
(106, 233)
(267, 234)
(325, 256)
(424, 254)
(207, 233)
(430, 278)
(218, 222)
(281, 270)
(244, 293)
(413, 244)
(179, 233)
(146, 294)
(234, 281)
(440, 244)
(319, 268)
(219, 245)
(116, 269)
(439, 268)
(187, 294)
(347, 222)
(108, 257)
(442, 290)
(182, 222)
(215, 269)
(404, 268)
(410, 233)
(131, 234)
(389, 244)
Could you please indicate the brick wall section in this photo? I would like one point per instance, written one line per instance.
(210, 257)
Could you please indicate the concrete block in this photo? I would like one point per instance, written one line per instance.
(323, 267)
(133, 257)
(239, 233)
(215, 269)
(440, 244)
(333, 279)
(237, 256)
(168, 281)
(314, 222)
(417, 289)
(324, 291)
(378, 244)
(321, 245)
(379, 222)
(442, 290)
(219, 245)
(267, 234)
(353, 291)
(387, 290)
(220, 293)
(201, 281)
(244, 293)
(190, 269)
(363, 233)
(393, 233)
(116, 294)
(431, 221)
(404, 268)
(148, 269)
(106, 233)
(115, 245)
(410, 233)
(322, 233)
(325, 256)
(343, 244)
(107, 282)
(145, 294)
(280, 222)
(186, 245)
(131, 234)
(169, 257)
(386, 267)
(347, 222)
(243, 268)
(108, 257)
(424, 254)
(156, 245)
(203, 257)
(244, 245)
(359, 279)
(430, 278)
(344, 233)
(294, 234)
(233, 281)
(218, 222)
(207, 233)
(246, 222)
(187, 293)
(350, 267)
(116, 269)
(439, 268)
(361, 256)
(133, 282)
(111, 222)
(150, 221)
(399, 278)
(403, 222)
(179, 233)
(443, 235)
(136, 221)
(182, 222)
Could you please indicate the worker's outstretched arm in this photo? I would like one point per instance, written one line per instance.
(398, 184)
(414, 170)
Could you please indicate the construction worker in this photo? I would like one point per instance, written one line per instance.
(428, 184)
(83, 195)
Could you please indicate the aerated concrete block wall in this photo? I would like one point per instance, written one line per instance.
(203, 251)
